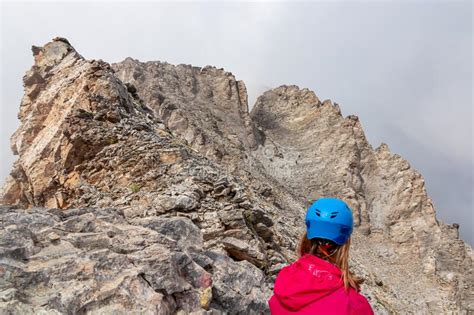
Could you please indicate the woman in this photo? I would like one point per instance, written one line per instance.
(320, 282)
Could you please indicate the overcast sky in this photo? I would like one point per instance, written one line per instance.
(405, 68)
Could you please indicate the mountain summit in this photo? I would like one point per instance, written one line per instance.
(145, 187)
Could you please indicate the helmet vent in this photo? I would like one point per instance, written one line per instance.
(334, 214)
(318, 213)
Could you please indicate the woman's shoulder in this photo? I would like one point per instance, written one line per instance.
(355, 302)
(359, 303)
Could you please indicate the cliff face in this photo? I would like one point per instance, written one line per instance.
(316, 152)
(204, 105)
(150, 187)
(151, 225)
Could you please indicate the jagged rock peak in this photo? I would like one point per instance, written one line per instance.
(153, 181)
(383, 147)
(131, 210)
(312, 150)
(294, 95)
(63, 93)
(199, 104)
(53, 52)
(292, 106)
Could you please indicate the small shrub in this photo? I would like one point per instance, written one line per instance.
(113, 140)
(135, 188)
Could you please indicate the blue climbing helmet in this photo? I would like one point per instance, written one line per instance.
(331, 219)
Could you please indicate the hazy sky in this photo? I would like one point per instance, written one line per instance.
(405, 68)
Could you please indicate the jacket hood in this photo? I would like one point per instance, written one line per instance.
(306, 281)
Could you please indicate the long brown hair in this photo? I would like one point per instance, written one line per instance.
(339, 256)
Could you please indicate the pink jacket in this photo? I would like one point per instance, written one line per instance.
(313, 286)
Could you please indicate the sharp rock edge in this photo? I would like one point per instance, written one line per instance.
(147, 187)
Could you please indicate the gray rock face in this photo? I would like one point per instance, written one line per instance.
(205, 106)
(314, 151)
(301, 133)
(149, 188)
(97, 145)
(94, 261)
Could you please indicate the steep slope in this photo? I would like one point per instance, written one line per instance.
(139, 200)
(206, 106)
(313, 150)
(306, 149)
(151, 188)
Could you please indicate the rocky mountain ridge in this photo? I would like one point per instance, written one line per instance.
(151, 188)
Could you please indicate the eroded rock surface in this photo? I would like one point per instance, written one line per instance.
(96, 144)
(95, 261)
(150, 188)
(315, 151)
(206, 106)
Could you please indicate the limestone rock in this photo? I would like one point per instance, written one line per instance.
(113, 265)
(150, 188)
(97, 150)
(206, 106)
(314, 151)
